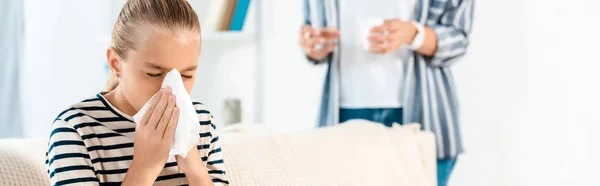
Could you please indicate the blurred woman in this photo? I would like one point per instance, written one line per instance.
(389, 62)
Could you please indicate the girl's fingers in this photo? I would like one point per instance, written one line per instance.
(170, 130)
(153, 102)
(164, 121)
(160, 108)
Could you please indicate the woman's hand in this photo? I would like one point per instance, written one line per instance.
(153, 139)
(317, 44)
(194, 169)
(391, 35)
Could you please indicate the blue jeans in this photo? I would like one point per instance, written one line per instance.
(444, 168)
(387, 117)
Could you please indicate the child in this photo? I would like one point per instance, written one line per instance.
(96, 142)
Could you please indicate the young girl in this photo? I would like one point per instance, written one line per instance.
(96, 142)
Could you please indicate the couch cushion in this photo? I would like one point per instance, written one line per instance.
(22, 162)
(354, 153)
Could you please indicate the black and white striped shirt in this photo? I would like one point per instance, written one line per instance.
(91, 143)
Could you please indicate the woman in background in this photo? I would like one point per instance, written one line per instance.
(391, 64)
(96, 142)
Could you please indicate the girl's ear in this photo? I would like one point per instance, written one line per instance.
(114, 61)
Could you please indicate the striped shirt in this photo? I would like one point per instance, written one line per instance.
(91, 143)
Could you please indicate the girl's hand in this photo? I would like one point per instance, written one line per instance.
(193, 167)
(153, 139)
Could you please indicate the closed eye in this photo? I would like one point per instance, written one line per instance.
(154, 75)
(187, 77)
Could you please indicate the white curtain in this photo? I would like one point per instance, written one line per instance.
(11, 32)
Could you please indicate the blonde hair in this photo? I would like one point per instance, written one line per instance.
(171, 15)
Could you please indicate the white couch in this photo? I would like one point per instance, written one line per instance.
(356, 153)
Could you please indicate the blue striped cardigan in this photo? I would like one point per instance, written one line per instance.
(429, 94)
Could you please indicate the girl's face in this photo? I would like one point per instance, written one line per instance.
(157, 53)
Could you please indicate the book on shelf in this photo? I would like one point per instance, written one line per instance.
(226, 15)
(239, 15)
(224, 26)
(215, 15)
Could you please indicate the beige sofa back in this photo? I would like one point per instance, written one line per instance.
(356, 153)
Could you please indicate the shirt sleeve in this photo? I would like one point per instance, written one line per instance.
(67, 158)
(209, 141)
(452, 31)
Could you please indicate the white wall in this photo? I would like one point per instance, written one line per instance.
(492, 85)
(63, 61)
(555, 145)
(292, 86)
(528, 95)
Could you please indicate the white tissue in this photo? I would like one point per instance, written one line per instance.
(188, 128)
